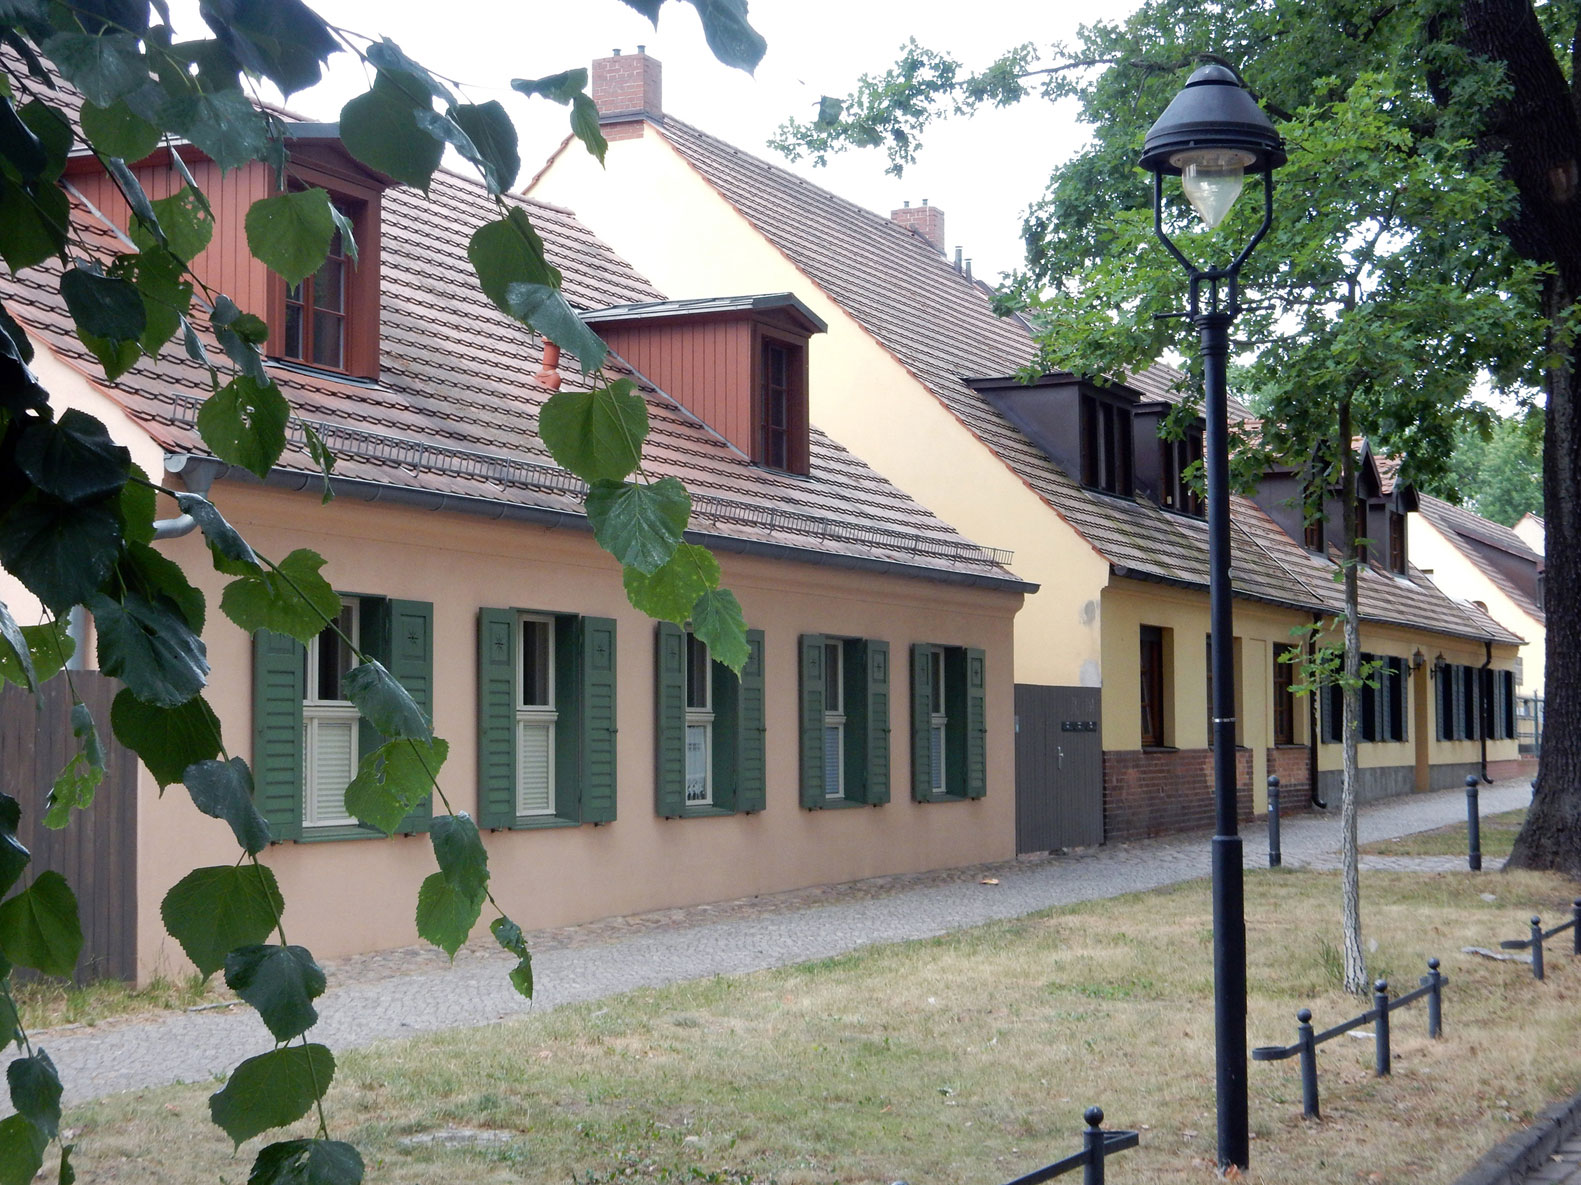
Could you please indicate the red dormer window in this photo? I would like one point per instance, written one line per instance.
(781, 410)
(315, 313)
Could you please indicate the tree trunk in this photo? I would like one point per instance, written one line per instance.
(1350, 863)
(1536, 128)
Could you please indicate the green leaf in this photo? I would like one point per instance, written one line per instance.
(33, 225)
(639, 524)
(224, 124)
(157, 576)
(224, 790)
(116, 357)
(18, 336)
(18, 144)
(135, 507)
(150, 648)
(132, 192)
(493, 140)
(61, 553)
(35, 1091)
(272, 1090)
(48, 646)
(585, 126)
(74, 785)
(393, 779)
(103, 68)
(290, 232)
(459, 851)
(547, 311)
(49, 124)
(118, 131)
(380, 129)
(561, 88)
(508, 251)
(9, 1021)
(717, 620)
(292, 599)
(734, 41)
(240, 335)
(597, 435)
(212, 911)
(22, 1148)
(13, 856)
(186, 221)
(404, 75)
(103, 306)
(73, 458)
(244, 423)
(16, 656)
(283, 40)
(39, 927)
(166, 293)
(281, 982)
(509, 935)
(445, 915)
(322, 457)
(68, 1175)
(384, 703)
(671, 593)
(307, 1162)
(167, 740)
(223, 539)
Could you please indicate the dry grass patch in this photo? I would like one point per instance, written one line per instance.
(967, 1058)
(1495, 832)
(45, 1004)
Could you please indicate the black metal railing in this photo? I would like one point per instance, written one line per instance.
(1307, 1041)
(1097, 1145)
(1535, 942)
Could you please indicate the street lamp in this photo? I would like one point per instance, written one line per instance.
(1211, 136)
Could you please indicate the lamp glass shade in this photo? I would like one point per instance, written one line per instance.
(1212, 179)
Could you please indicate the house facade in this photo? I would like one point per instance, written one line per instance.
(1074, 477)
(612, 765)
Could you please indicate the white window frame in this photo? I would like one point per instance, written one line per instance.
(938, 719)
(700, 718)
(834, 717)
(538, 716)
(318, 714)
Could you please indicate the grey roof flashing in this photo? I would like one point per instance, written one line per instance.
(708, 306)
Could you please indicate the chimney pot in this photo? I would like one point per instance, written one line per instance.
(926, 220)
(628, 88)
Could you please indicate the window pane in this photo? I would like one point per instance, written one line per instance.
(537, 663)
(936, 681)
(292, 345)
(335, 657)
(329, 346)
(329, 286)
(697, 673)
(698, 791)
(833, 699)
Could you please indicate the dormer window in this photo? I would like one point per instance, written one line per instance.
(1363, 554)
(1106, 457)
(315, 313)
(1397, 547)
(1179, 492)
(781, 409)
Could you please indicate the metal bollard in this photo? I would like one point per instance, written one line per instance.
(1575, 925)
(1380, 1028)
(1274, 857)
(1435, 998)
(1309, 1099)
(1092, 1139)
(1473, 826)
(1537, 947)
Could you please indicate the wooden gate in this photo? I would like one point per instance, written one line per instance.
(97, 851)
(1059, 768)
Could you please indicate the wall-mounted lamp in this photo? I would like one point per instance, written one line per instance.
(1417, 659)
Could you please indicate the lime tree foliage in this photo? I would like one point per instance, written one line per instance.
(1498, 472)
(112, 78)
(1426, 231)
(1389, 283)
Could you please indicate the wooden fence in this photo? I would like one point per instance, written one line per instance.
(97, 851)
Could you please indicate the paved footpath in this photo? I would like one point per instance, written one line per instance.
(400, 994)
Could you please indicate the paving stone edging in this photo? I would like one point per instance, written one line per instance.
(1526, 1152)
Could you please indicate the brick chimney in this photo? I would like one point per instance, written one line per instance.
(926, 220)
(627, 87)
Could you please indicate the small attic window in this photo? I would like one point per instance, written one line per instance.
(314, 330)
(780, 409)
(1178, 490)
(1106, 445)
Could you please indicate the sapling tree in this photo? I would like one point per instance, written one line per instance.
(76, 514)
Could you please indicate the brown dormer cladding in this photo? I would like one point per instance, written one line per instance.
(738, 364)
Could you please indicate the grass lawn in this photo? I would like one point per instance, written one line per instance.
(967, 1058)
(49, 1003)
(1496, 833)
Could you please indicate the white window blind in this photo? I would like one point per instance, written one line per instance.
(534, 767)
(330, 760)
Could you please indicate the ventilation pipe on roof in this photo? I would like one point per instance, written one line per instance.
(549, 376)
(969, 271)
(958, 257)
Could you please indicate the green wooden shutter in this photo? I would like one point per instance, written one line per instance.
(812, 709)
(670, 721)
(921, 751)
(1458, 676)
(410, 641)
(569, 716)
(751, 760)
(956, 713)
(496, 717)
(277, 732)
(976, 724)
(598, 719)
(873, 663)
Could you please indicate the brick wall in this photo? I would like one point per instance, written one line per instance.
(627, 84)
(1292, 766)
(926, 220)
(1163, 791)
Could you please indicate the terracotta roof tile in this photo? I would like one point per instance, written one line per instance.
(1479, 540)
(941, 326)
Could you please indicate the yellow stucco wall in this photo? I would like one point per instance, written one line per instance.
(1463, 580)
(692, 243)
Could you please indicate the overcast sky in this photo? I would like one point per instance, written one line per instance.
(981, 173)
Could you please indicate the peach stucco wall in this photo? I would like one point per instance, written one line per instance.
(356, 895)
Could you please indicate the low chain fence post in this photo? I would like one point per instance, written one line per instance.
(1537, 947)
(1435, 999)
(1309, 1096)
(1274, 856)
(1473, 826)
(1380, 1028)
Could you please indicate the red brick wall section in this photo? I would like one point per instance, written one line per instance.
(1165, 791)
(926, 220)
(1292, 765)
(628, 83)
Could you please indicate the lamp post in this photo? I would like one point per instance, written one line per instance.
(1211, 135)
